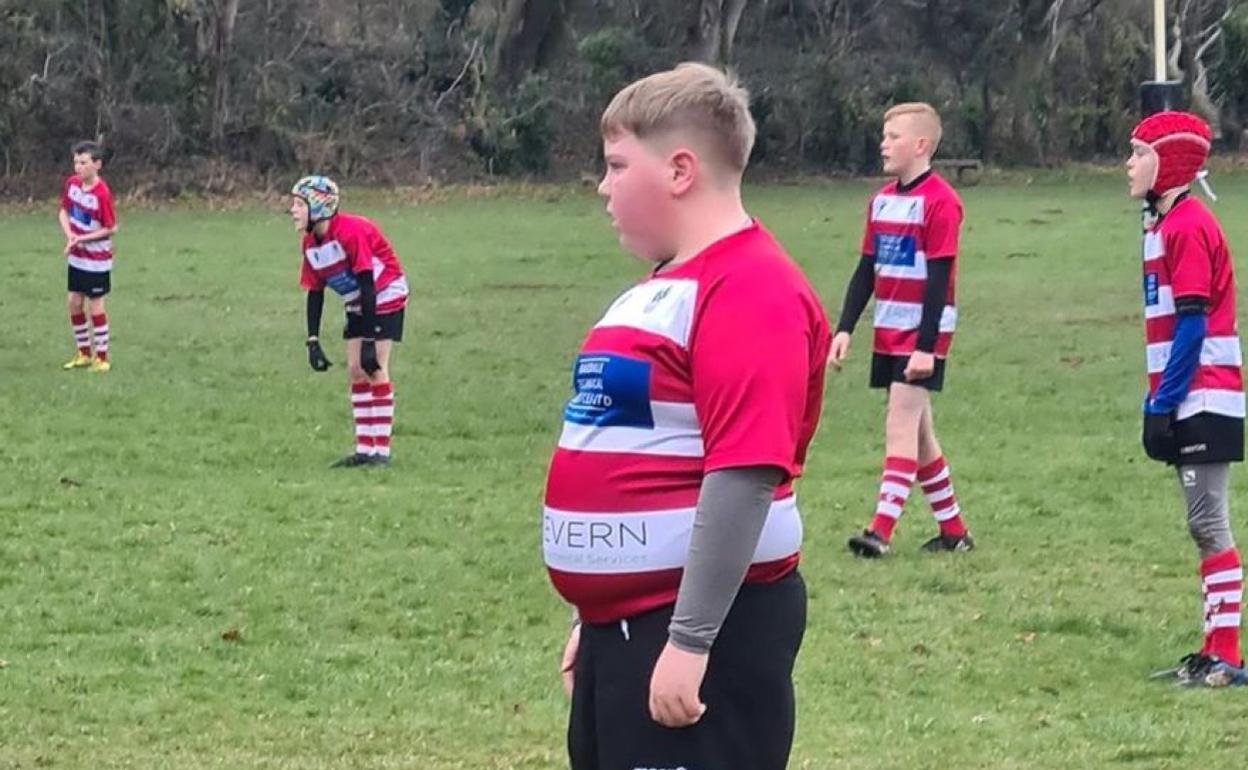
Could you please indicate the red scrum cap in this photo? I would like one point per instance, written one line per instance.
(1181, 141)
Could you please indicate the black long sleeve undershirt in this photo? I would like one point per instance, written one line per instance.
(934, 296)
(857, 295)
(316, 304)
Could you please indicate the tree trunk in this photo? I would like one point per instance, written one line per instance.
(712, 28)
(226, 15)
(527, 33)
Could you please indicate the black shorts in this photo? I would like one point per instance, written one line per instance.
(1208, 438)
(88, 283)
(388, 327)
(886, 369)
(748, 689)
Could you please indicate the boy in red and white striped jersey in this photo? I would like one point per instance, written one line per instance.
(1194, 410)
(350, 256)
(909, 261)
(670, 520)
(88, 222)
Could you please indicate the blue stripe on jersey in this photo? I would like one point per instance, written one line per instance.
(611, 391)
(343, 282)
(895, 250)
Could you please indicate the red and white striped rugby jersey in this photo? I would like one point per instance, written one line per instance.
(352, 245)
(905, 230)
(89, 211)
(717, 363)
(1186, 256)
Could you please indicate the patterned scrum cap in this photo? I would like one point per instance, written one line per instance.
(321, 195)
(1181, 141)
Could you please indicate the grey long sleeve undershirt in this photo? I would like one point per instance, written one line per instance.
(732, 509)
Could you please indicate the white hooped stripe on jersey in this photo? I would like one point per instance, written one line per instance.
(915, 272)
(326, 255)
(1226, 576)
(676, 433)
(1154, 246)
(1164, 306)
(620, 543)
(395, 291)
(906, 316)
(661, 306)
(1215, 351)
(897, 209)
(102, 246)
(90, 265)
(1229, 403)
(87, 200)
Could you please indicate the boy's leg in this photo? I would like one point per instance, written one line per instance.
(1206, 491)
(99, 326)
(75, 303)
(901, 452)
(748, 689)
(382, 417)
(361, 400)
(937, 482)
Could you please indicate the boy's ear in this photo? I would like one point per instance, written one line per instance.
(684, 167)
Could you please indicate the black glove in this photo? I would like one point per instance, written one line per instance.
(368, 357)
(316, 357)
(1159, 441)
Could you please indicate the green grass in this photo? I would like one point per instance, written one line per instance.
(403, 619)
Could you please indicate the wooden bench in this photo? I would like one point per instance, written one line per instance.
(959, 166)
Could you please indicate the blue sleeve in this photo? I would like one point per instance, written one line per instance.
(1176, 380)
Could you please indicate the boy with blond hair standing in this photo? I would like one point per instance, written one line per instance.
(909, 261)
(670, 522)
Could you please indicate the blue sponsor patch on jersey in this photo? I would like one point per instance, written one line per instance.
(895, 250)
(80, 215)
(343, 283)
(610, 391)
(1152, 295)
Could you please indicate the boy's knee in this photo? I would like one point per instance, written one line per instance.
(1209, 524)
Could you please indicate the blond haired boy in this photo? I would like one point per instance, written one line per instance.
(909, 261)
(670, 522)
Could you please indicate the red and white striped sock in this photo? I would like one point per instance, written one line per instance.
(937, 487)
(898, 477)
(362, 411)
(1223, 579)
(82, 332)
(383, 416)
(99, 324)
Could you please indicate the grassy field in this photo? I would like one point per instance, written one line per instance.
(184, 585)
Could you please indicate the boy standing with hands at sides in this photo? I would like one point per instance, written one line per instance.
(909, 261)
(88, 222)
(670, 523)
(1194, 409)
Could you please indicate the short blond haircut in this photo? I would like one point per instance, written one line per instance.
(926, 117)
(692, 98)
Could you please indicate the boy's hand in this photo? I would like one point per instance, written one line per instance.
(316, 357)
(70, 243)
(674, 686)
(921, 366)
(840, 350)
(1159, 443)
(368, 357)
